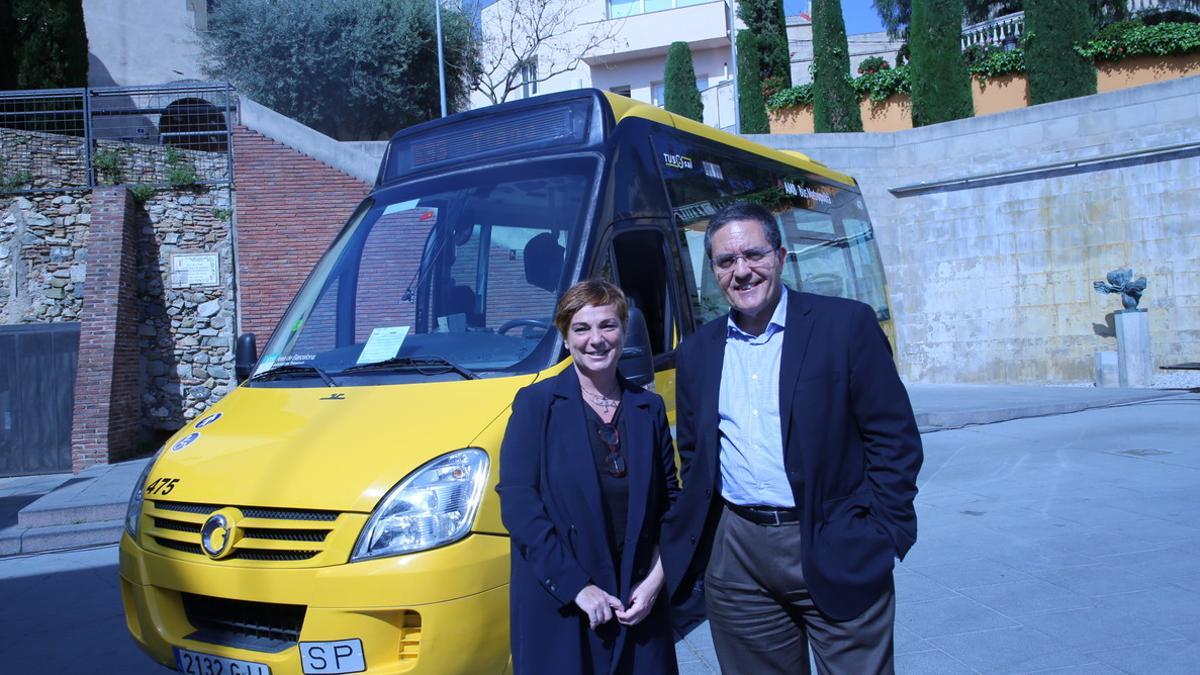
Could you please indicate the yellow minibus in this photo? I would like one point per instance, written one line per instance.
(335, 513)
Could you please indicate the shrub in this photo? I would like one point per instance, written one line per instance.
(680, 95)
(1138, 40)
(872, 65)
(941, 87)
(997, 62)
(1056, 70)
(765, 19)
(881, 85)
(142, 192)
(108, 163)
(752, 111)
(801, 94)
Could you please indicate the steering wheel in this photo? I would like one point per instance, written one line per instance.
(517, 323)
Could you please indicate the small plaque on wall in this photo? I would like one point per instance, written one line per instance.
(195, 269)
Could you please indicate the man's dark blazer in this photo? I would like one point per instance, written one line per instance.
(550, 501)
(851, 452)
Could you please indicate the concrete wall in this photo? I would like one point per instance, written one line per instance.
(143, 41)
(991, 280)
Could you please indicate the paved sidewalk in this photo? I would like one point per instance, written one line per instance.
(1064, 544)
(61, 511)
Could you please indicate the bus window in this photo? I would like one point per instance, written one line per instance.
(641, 270)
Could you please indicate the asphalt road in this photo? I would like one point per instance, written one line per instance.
(1064, 543)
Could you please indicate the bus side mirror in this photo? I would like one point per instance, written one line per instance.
(244, 356)
(637, 360)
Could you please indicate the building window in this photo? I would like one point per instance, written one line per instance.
(529, 78)
(618, 9)
(657, 89)
(623, 90)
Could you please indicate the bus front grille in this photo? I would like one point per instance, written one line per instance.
(260, 626)
(265, 534)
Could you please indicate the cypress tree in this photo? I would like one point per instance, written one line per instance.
(766, 19)
(680, 95)
(941, 85)
(752, 110)
(50, 50)
(835, 105)
(1056, 71)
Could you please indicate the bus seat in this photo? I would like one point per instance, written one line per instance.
(462, 301)
(543, 261)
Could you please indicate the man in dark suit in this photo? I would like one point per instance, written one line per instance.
(800, 456)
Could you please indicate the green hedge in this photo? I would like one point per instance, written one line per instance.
(1159, 40)
(1163, 39)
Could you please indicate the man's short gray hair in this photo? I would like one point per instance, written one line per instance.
(744, 211)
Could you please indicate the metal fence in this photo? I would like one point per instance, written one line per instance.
(73, 139)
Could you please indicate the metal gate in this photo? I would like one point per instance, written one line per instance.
(37, 393)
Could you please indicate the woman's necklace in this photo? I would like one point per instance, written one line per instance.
(603, 401)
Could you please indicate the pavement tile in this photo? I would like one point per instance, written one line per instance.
(1180, 657)
(933, 662)
(1090, 668)
(1166, 606)
(968, 573)
(1097, 628)
(1169, 563)
(949, 616)
(1008, 650)
(695, 668)
(1095, 579)
(916, 587)
(905, 641)
(1027, 596)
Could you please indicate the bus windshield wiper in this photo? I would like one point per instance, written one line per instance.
(289, 370)
(418, 363)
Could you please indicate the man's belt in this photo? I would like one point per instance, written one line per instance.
(765, 515)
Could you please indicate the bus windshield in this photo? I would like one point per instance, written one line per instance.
(454, 276)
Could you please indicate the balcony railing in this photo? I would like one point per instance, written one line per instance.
(1010, 27)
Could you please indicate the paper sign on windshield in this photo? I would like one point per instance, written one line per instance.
(383, 344)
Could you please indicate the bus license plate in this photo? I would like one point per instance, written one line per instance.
(342, 656)
(195, 663)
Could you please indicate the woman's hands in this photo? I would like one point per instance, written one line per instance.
(645, 592)
(597, 605)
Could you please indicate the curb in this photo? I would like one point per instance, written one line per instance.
(21, 540)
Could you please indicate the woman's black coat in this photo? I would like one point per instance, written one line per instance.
(550, 502)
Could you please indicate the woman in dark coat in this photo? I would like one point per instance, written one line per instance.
(587, 471)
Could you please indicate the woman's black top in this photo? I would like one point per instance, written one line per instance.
(614, 490)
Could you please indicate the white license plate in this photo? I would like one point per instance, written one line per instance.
(342, 656)
(195, 663)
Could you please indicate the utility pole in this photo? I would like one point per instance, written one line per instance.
(437, 13)
(737, 105)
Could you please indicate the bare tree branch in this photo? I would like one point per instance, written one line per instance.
(546, 33)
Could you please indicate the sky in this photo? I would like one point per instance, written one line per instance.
(859, 14)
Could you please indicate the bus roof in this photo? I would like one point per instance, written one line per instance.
(623, 107)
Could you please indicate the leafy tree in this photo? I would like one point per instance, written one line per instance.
(353, 69)
(941, 86)
(680, 94)
(835, 105)
(895, 16)
(765, 18)
(1056, 71)
(44, 44)
(752, 110)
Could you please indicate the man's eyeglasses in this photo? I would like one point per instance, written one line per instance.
(754, 257)
(614, 461)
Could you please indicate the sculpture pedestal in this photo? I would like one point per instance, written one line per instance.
(1135, 367)
(1106, 372)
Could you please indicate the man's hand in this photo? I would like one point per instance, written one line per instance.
(597, 605)
(645, 592)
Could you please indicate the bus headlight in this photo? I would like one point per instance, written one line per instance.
(433, 506)
(133, 512)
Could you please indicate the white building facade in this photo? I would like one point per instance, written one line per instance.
(631, 61)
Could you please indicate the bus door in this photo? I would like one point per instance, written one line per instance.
(641, 258)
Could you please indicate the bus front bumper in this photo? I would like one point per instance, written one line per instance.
(387, 604)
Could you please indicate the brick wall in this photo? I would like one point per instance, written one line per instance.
(106, 422)
(289, 208)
